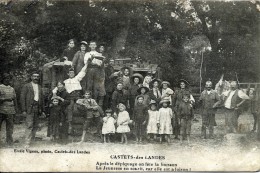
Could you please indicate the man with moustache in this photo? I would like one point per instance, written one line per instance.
(233, 100)
(210, 100)
(32, 105)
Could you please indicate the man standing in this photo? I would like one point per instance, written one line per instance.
(8, 106)
(210, 99)
(95, 73)
(177, 99)
(233, 99)
(32, 105)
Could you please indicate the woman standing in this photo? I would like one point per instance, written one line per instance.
(155, 93)
(78, 62)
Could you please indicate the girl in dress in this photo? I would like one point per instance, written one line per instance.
(123, 120)
(164, 120)
(152, 129)
(108, 125)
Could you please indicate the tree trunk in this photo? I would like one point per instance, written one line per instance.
(120, 40)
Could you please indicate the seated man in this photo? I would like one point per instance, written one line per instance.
(73, 87)
(92, 113)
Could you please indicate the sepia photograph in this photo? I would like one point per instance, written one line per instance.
(129, 85)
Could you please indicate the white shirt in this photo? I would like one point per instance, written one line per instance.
(240, 94)
(94, 61)
(209, 91)
(72, 84)
(35, 91)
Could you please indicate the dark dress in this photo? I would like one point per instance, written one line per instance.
(119, 96)
(64, 128)
(109, 86)
(69, 53)
(56, 116)
(132, 95)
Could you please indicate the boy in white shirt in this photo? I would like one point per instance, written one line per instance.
(95, 73)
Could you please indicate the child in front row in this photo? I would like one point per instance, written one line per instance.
(153, 115)
(123, 120)
(186, 116)
(108, 125)
(164, 120)
(140, 115)
(56, 117)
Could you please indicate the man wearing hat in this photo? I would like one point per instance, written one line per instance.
(233, 100)
(177, 99)
(210, 99)
(8, 106)
(32, 105)
(95, 73)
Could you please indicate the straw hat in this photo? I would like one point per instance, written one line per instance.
(146, 89)
(138, 75)
(154, 80)
(164, 101)
(166, 82)
(183, 80)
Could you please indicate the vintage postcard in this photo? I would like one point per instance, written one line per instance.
(129, 86)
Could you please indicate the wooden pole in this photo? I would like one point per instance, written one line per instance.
(201, 64)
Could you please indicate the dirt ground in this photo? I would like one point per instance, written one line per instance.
(221, 153)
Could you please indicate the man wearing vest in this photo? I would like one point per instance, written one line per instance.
(233, 99)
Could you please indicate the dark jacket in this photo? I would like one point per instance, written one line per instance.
(209, 100)
(119, 96)
(78, 61)
(69, 53)
(27, 98)
(140, 113)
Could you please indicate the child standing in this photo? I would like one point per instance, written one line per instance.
(164, 120)
(56, 118)
(123, 120)
(186, 116)
(152, 128)
(140, 118)
(108, 125)
(143, 91)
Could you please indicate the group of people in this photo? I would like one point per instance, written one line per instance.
(120, 102)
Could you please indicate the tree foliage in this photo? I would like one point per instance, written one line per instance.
(171, 33)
